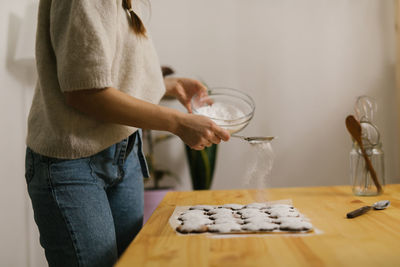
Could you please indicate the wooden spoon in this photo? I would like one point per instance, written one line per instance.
(354, 128)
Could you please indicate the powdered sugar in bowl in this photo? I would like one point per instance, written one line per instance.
(229, 108)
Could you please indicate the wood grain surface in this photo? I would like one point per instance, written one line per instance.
(372, 239)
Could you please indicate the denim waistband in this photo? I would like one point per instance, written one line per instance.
(120, 153)
(132, 144)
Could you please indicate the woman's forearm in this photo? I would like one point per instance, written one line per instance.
(114, 106)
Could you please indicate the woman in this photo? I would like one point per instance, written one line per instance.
(99, 82)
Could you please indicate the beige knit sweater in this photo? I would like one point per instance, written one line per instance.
(86, 44)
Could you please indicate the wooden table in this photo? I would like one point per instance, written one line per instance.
(372, 239)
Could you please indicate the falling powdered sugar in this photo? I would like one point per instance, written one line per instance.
(260, 168)
(221, 111)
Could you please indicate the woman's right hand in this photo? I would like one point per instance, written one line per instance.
(199, 131)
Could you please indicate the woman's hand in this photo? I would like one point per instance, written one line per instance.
(183, 89)
(195, 130)
(199, 131)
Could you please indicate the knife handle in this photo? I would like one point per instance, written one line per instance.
(358, 212)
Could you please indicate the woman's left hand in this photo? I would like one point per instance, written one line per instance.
(183, 89)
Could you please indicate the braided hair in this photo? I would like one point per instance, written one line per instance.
(137, 24)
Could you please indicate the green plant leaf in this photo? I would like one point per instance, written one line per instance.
(201, 165)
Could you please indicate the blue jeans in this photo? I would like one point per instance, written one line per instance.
(88, 210)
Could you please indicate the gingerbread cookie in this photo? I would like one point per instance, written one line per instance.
(279, 206)
(232, 206)
(192, 227)
(281, 220)
(224, 227)
(259, 219)
(228, 220)
(256, 205)
(191, 215)
(250, 212)
(219, 211)
(258, 226)
(276, 213)
(202, 207)
(295, 225)
(221, 215)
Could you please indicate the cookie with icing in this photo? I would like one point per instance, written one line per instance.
(279, 206)
(228, 220)
(295, 225)
(195, 211)
(258, 226)
(202, 207)
(221, 216)
(219, 211)
(204, 220)
(281, 220)
(256, 205)
(198, 212)
(276, 213)
(249, 212)
(191, 215)
(192, 227)
(224, 227)
(257, 219)
(232, 206)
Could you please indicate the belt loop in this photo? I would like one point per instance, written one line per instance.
(131, 144)
(122, 154)
(142, 159)
(120, 151)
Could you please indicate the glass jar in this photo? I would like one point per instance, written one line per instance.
(361, 180)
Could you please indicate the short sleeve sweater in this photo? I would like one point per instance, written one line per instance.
(86, 44)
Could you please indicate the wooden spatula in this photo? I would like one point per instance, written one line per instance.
(354, 128)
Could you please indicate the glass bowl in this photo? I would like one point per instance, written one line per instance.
(233, 108)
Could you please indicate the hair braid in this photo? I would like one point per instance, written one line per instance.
(137, 24)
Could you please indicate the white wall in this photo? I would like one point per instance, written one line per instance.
(19, 245)
(304, 62)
